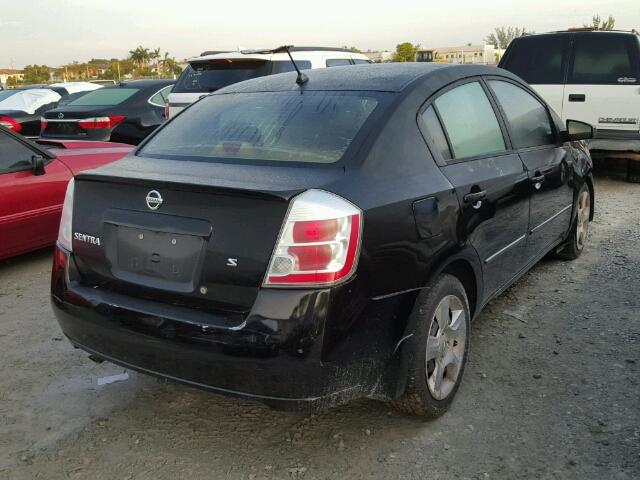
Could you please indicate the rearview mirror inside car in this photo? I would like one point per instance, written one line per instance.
(577, 130)
(38, 165)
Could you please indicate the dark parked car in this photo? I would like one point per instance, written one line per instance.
(307, 245)
(22, 108)
(124, 113)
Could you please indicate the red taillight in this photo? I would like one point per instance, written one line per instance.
(319, 242)
(100, 122)
(10, 123)
(43, 124)
(315, 230)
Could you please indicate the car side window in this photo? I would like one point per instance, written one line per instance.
(528, 118)
(434, 134)
(603, 59)
(538, 60)
(14, 156)
(470, 121)
(282, 66)
(360, 61)
(159, 98)
(337, 62)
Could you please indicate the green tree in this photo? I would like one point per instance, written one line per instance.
(352, 49)
(405, 52)
(140, 56)
(598, 23)
(36, 74)
(502, 36)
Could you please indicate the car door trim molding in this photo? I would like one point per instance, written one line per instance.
(550, 218)
(504, 249)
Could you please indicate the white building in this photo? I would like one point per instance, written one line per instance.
(473, 54)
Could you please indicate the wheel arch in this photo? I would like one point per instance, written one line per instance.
(592, 194)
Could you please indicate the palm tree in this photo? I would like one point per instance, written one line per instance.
(155, 55)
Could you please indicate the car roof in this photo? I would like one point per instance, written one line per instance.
(142, 83)
(384, 77)
(266, 54)
(574, 31)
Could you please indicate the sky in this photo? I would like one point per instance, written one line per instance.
(55, 32)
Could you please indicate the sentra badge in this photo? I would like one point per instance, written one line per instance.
(83, 237)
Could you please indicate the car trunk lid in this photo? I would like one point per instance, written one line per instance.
(187, 233)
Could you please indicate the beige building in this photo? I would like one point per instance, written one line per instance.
(466, 54)
(379, 56)
(7, 73)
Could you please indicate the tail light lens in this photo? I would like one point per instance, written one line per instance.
(166, 109)
(10, 123)
(100, 122)
(64, 233)
(319, 243)
(43, 124)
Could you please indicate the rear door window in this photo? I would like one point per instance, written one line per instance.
(282, 66)
(528, 118)
(313, 127)
(470, 121)
(105, 97)
(337, 62)
(159, 98)
(212, 75)
(360, 61)
(538, 60)
(432, 130)
(604, 59)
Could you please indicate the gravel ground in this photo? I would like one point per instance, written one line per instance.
(551, 391)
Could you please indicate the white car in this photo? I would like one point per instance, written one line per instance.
(591, 76)
(214, 70)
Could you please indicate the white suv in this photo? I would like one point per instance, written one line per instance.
(591, 76)
(212, 71)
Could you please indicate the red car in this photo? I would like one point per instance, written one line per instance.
(33, 180)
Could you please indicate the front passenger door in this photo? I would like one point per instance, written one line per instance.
(466, 135)
(549, 165)
(30, 205)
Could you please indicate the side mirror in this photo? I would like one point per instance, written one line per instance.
(38, 165)
(577, 130)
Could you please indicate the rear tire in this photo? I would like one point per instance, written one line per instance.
(580, 227)
(439, 348)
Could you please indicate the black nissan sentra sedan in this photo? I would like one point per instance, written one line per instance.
(306, 244)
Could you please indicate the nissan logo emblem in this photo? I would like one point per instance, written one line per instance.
(154, 199)
(61, 115)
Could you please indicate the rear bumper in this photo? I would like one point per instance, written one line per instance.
(616, 140)
(276, 355)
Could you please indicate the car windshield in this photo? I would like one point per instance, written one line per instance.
(105, 97)
(290, 127)
(214, 74)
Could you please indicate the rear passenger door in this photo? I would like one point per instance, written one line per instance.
(468, 139)
(603, 84)
(549, 164)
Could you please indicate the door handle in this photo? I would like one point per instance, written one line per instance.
(577, 97)
(475, 197)
(537, 179)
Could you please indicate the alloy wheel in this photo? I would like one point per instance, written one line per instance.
(584, 212)
(446, 346)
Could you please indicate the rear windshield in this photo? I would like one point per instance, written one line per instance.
(215, 74)
(291, 127)
(105, 97)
